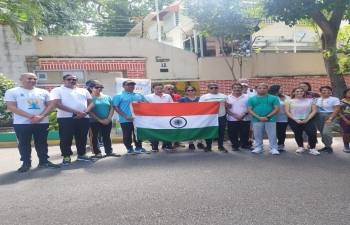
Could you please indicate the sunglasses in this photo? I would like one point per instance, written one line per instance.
(214, 88)
(100, 87)
(190, 90)
(71, 79)
(171, 89)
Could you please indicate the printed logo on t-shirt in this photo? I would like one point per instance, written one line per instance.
(33, 103)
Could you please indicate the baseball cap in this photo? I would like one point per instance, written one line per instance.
(129, 82)
(244, 84)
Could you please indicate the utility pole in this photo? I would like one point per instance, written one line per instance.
(159, 31)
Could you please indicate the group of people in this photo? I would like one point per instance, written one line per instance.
(246, 112)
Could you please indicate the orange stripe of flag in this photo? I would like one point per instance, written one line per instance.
(175, 109)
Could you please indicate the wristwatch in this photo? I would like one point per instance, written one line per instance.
(87, 113)
(268, 117)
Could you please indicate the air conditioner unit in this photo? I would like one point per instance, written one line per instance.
(42, 76)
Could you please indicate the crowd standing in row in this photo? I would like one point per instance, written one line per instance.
(81, 111)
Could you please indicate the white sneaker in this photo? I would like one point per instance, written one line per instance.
(258, 150)
(314, 152)
(300, 150)
(281, 148)
(274, 151)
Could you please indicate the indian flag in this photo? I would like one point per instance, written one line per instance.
(176, 121)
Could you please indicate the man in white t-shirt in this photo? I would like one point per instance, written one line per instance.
(245, 89)
(159, 97)
(215, 96)
(30, 107)
(73, 106)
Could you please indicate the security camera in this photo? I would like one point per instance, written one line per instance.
(40, 38)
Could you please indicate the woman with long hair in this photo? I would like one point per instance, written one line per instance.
(281, 117)
(344, 119)
(301, 111)
(328, 108)
(306, 86)
(101, 120)
(191, 97)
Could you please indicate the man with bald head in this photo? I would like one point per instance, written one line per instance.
(30, 107)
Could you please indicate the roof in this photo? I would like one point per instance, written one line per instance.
(172, 8)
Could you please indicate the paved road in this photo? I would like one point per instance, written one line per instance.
(185, 187)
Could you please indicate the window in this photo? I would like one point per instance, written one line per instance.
(42, 76)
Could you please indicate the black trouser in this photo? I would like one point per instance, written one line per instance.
(69, 127)
(95, 129)
(310, 130)
(129, 134)
(221, 133)
(281, 128)
(24, 133)
(238, 127)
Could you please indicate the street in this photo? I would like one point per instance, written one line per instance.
(181, 187)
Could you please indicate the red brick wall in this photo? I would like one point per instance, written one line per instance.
(288, 83)
(134, 68)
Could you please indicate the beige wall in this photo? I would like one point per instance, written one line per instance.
(182, 65)
(264, 65)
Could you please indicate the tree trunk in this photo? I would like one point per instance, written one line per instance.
(227, 62)
(337, 80)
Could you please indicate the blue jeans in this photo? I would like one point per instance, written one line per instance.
(24, 133)
(221, 133)
(270, 128)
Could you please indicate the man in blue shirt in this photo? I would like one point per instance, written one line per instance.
(121, 103)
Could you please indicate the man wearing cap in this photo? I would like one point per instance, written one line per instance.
(30, 107)
(73, 106)
(215, 96)
(245, 88)
(121, 103)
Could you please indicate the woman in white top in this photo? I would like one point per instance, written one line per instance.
(327, 109)
(281, 117)
(301, 111)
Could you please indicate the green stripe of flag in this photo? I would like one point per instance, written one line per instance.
(172, 135)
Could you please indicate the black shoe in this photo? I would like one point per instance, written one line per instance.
(200, 146)
(48, 164)
(113, 154)
(98, 155)
(191, 146)
(207, 149)
(155, 148)
(329, 150)
(24, 168)
(250, 143)
(222, 149)
(322, 149)
(248, 148)
(235, 148)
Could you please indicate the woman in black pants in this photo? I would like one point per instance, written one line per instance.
(100, 120)
(301, 111)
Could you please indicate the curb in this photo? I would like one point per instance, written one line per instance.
(118, 140)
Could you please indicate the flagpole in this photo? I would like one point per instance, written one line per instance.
(159, 31)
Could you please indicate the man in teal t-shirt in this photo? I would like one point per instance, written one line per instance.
(263, 108)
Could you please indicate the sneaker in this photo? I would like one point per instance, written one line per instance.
(141, 151)
(322, 149)
(300, 150)
(258, 150)
(48, 164)
(191, 146)
(280, 148)
(155, 148)
(85, 158)
(66, 161)
(200, 146)
(113, 154)
(178, 144)
(329, 150)
(346, 150)
(24, 168)
(98, 155)
(314, 152)
(235, 148)
(274, 151)
(248, 148)
(130, 151)
(101, 144)
(222, 149)
(167, 148)
(207, 149)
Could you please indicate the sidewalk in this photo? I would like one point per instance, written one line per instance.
(118, 138)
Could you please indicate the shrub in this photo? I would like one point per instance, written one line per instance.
(5, 84)
(53, 125)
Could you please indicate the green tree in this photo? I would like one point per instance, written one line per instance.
(22, 16)
(226, 20)
(5, 84)
(115, 16)
(327, 14)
